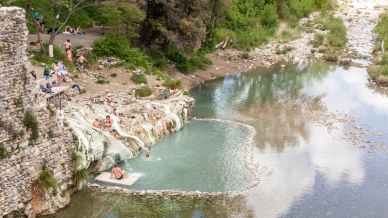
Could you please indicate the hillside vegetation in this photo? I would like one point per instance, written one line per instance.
(379, 70)
(154, 34)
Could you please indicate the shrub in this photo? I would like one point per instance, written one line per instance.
(144, 91)
(80, 176)
(172, 83)
(139, 78)
(382, 29)
(337, 32)
(269, 17)
(318, 40)
(41, 56)
(187, 64)
(46, 179)
(3, 152)
(102, 80)
(31, 123)
(119, 46)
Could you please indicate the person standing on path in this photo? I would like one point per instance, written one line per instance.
(68, 50)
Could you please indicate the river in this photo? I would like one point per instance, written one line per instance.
(307, 142)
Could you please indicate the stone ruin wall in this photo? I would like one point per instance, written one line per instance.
(20, 168)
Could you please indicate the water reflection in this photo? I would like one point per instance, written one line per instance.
(299, 135)
(309, 124)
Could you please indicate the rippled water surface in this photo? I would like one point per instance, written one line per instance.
(321, 150)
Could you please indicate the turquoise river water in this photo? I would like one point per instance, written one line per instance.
(307, 142)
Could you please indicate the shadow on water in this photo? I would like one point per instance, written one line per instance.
(320, 151)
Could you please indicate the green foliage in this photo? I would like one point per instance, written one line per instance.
(143, 91)
(139, 78)
(334, 41)
(118, 46)
(172, 83)
(185, 64)
(3, 152)
(380, 68)
(31, 123)
(382, 30)
(41, 57)
(102, 80)
(80, 175)
(337, 32)
(318, 40)
(250, 23)
(46, 179)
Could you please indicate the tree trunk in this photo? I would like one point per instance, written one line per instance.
(52, 38)
(38, 30)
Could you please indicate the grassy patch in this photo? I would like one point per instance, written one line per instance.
(31, 124)
(172, 83)
(139, 78)
(46, 179)
(382, 30)
(41, 57)
(333, 40)
(80, 175)
(102, 80)
(144, 91)
(185, 63)
(380, 67)
(3, 152)
(119, 46)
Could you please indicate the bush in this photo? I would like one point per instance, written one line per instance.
(139, 78)
(3, 152)
(187, 64)
(382, 29)
(46, 179)
(119, 46)
(80, 176)
(144, 91)
(318, 40)
(41, 56)
(172, 83)
(31, 123)
(337, 32)
(102, 80)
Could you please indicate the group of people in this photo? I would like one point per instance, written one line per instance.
(54, 76)
(81, 60)
(103, 124)
(74, 31)
(57, 71)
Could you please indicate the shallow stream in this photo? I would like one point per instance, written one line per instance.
(306, 143)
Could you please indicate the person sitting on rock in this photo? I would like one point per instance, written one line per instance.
(117, 172)
(108, 122)
(115, 134)
(97, 124)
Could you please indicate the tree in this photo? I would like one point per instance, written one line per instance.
(63, 11)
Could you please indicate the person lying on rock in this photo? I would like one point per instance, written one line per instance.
(117, 172)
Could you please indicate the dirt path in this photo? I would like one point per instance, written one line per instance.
(85, 40)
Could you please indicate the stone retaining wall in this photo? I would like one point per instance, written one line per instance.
(21, 166)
